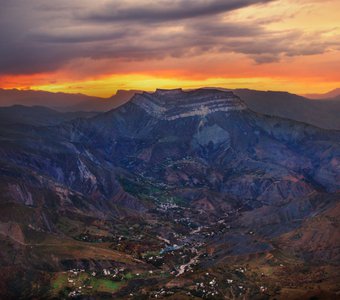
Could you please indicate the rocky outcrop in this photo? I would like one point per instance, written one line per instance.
(20, 194)
(13, 231)
(174, 104)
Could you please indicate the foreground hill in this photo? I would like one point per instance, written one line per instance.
(181, 194)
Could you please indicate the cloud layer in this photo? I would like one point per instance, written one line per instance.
(42, 36)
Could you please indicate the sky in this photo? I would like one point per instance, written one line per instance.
(98, 47)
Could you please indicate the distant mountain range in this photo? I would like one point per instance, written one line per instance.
(42, 98)
(334, 94)
(322, 113)
(63, 101)
(105, 104)
(179, 187)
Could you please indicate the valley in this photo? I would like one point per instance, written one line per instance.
(174, 195)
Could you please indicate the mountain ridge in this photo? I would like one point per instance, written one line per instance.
(206, 192)
(177, 103)
(333, 94)
(321, 113)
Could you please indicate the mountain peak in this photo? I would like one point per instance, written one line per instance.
(176, 103)
(331, 94)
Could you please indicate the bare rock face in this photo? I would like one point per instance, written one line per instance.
(211, 135)
(13, 231)
(174, 104)
(21, 194)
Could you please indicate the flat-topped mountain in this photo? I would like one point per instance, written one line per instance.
(174, 104)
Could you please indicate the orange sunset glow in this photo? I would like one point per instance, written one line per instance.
(99, 47)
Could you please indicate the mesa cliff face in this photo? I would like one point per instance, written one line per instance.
(174, 104)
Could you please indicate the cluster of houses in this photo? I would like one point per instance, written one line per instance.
(161, 293)
(208, 287)
(90, 238)
(74, 294)
(116, 274)
(186, 221)
(155, 260)
(165, 206)
(78, 286)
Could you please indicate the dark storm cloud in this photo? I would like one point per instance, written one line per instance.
(164, 11)
(225, 29)
(80, 35)
(40, 36)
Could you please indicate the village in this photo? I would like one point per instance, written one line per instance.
(178, 253)
(206, 285)
(173, 243)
